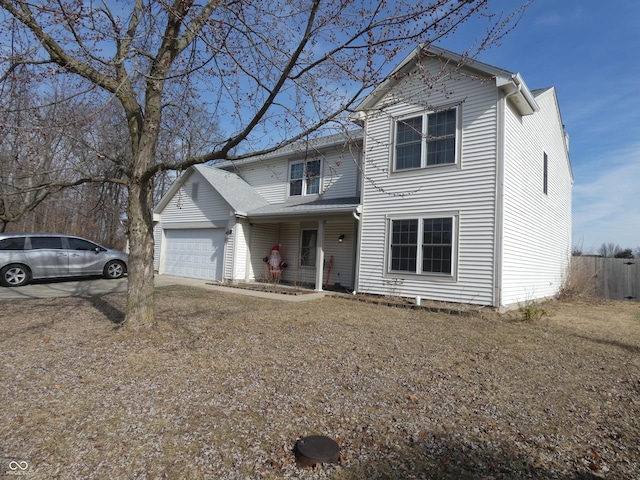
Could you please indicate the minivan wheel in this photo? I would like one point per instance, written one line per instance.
(114, 269)
(14, 275)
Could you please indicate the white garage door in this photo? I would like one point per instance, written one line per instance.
(194, 253)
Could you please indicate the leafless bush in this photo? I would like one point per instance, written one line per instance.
(580, 281)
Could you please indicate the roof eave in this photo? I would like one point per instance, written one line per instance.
(518, 93)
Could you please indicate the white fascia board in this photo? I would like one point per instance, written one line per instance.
(519, 94)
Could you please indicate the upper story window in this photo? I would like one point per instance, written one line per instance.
(304, 178)
(426, 140)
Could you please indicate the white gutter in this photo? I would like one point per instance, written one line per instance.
(517, 92)
(357, 213)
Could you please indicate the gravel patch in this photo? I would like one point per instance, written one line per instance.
(226, 384)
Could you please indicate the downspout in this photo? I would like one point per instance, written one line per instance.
(357, 214)
(499, 199)
(320, 255)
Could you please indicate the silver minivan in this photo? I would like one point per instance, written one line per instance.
(29, 256)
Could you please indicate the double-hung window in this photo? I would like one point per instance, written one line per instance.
(426, 140)
(422, 245)
(304, 178)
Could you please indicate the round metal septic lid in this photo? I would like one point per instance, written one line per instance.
(316, 449)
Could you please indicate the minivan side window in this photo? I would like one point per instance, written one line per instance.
(16, 243)
(40, 243)
(80, 244)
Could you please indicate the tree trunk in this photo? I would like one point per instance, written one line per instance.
(140, 291)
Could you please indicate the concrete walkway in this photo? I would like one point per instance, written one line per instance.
(87, 287)
(165, 280)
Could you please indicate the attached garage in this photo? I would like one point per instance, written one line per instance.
(194, 253)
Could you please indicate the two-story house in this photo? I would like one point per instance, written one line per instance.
(456, 187)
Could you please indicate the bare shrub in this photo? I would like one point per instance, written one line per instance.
(580, 281)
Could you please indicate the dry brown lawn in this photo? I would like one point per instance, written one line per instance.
(226, 384)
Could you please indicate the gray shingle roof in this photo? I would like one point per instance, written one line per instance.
(300, 148)
(241, 196)
(320, 206)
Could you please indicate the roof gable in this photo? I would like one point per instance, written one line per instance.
(511, 84)
(551, 91)
(240, 196)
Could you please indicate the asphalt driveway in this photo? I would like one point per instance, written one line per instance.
(75, 287)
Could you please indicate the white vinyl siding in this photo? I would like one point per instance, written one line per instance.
(537, 226)
(468, 190)
(241, 239)
(229, 252)
(210, 206)
(342, 266)
(262, 238)
(339, 175)
(157, 245)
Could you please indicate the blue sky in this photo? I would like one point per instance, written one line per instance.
(590, 51)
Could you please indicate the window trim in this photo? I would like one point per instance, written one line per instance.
(545, 174)
(420, 217)
(304, 178)
(424, 114)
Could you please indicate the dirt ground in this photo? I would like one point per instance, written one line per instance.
(226, 384)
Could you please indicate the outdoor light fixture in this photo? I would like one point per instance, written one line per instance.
(341, 238)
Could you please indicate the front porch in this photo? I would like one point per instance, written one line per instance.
(317, 254)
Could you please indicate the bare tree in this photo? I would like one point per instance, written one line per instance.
(29, 149)
(273, 72)
(608, 250)
(45, 143)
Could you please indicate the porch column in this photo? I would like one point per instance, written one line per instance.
(320, 255)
